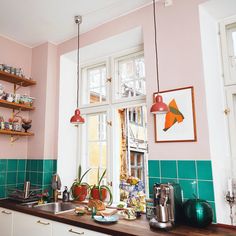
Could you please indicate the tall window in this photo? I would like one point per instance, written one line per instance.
(105, 85)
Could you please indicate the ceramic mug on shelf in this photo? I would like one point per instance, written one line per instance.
(17, 98)
(10, 97)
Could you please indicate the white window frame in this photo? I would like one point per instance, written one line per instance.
(226, 54)
(83, 70)
(111, 107)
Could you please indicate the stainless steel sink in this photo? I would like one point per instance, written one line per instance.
(56, 207)
(53, 207)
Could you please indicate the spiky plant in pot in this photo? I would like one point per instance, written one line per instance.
(100, 191)
(80, 189)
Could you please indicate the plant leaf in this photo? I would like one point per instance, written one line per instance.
(102, 176)
(110, 193)
(85, 173)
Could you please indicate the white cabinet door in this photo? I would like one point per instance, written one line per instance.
(60, 229)
(27, 225)
(6, 221)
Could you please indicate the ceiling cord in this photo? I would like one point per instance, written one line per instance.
(155, 30)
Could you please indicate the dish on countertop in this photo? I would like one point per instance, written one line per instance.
(106, 219)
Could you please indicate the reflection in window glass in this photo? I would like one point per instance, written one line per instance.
(131, 76)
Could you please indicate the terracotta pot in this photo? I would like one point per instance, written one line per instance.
(80, 192)
(96, 195)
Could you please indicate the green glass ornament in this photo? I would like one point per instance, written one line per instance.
(198, 213)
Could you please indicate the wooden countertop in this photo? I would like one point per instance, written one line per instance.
(138, 227)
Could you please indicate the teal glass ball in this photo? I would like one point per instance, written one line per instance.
(198, 213)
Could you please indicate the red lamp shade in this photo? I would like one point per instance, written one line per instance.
(77, 118)
(159, 107)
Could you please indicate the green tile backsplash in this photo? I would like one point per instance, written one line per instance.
(14, 172)
(194, 177)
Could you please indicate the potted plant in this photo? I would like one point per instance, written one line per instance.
(79, 189)
(100, 192)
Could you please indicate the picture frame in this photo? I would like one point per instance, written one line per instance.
(179, 124)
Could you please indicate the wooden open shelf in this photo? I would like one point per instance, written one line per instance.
(22, 81)
(10, 132)
(16, 106)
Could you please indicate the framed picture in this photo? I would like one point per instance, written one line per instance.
(179, 124)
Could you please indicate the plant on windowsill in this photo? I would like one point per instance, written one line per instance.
(79, 189)
(100, 191)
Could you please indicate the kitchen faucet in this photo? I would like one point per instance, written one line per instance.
(56, 186)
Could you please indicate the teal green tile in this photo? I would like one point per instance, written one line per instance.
(154, 168)
(168, 169)
(152, 181)
(21, 165)
(40, 178)
(34, 165)
(47, 178)
(2, 178)
(214, 211)
(27, 177)
(2, 191)
(48, 166)
(11, 177)
(206, 190)
(12, 165)
(28, 165)
(33, 177)
(204, 170)
(189, 188)
(3, 165)
(40, 165)
(167, 180)
(186, 169)
(20, 177)
(54, 166)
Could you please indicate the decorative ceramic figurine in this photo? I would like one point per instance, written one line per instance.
(26, 124)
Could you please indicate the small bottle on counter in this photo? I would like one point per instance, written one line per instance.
(66, 195)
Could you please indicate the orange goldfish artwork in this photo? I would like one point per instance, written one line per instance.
(173, 116)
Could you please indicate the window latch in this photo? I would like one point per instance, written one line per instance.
(108, 80)
(226, 111)
(109, 123)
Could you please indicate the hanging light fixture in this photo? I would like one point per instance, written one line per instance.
(158, 107)
(77, 119)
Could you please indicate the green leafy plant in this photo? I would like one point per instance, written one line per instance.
(79, 189)
(100, 191)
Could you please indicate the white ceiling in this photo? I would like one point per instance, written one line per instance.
(220, 9)
(32, 22)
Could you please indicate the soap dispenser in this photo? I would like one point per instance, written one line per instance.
(66, 195)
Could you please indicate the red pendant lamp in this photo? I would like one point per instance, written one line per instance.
(77, 119)
(158, 107)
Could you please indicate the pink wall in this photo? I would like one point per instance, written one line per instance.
(44, 69)
(180, 65)
(14, 54)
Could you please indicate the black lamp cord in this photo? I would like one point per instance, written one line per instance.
(78, 67)
(155, 30)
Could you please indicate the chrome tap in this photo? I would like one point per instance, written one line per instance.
(56, 186)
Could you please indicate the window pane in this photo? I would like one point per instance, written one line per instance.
(96, 143)
(93, 128)
(93, 154)
(94, 84)
(139, 159)
(92, 176)
(132, 158)
(131, 76)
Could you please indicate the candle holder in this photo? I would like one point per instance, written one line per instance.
(231, 200)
